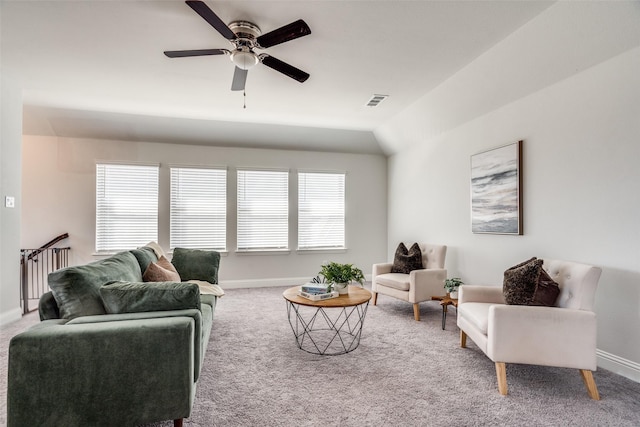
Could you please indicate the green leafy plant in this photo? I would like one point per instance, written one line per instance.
(341, 273)
(451, 285)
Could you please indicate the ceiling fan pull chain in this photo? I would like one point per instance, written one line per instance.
(244, 98)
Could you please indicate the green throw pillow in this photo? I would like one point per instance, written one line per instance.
(145, 256)
(136, 297)
(196, 264)
(77, 289)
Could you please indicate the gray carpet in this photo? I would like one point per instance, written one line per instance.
(404, 373)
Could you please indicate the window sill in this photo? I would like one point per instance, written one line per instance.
(103, 254)
(264, 252)
(108, 254)
(321, 251)
(222, 252)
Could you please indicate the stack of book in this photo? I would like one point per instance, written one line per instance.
(317, 291)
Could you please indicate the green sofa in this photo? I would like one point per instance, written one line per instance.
(112, 350)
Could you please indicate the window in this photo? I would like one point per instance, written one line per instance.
(320, 210)
(263, 210)
(198, 208)
(126, 206)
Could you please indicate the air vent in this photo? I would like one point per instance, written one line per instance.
(376, 99)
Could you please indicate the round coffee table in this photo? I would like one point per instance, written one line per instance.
(328, 327)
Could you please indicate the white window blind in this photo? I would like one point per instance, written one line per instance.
(263, 210)
(126, 206)
(198, 208)
(321, 210)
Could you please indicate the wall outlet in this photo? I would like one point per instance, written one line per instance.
(9, 202)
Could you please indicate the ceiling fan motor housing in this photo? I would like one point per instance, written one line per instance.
(245, 29)
(243, 56)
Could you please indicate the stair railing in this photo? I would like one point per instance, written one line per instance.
(35, 266)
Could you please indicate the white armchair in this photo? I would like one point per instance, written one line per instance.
(417, 286)
(561, 336)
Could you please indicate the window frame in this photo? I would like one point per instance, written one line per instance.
(106, 204)
(303, 246)
(282, 211)
(219, 227)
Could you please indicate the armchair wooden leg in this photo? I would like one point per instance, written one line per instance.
(375, 298)
(463, 339)
(416, 311)
(178, 422)
(592, 389)
(501, 373)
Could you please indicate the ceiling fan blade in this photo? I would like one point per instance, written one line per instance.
(197, 52)
(290, 31)
(284, 68)
(208, 15)
(239, 79)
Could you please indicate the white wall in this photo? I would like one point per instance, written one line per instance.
(581, 191)
(10, 135)
(59, 196)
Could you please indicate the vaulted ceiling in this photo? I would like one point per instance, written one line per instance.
(96, 69)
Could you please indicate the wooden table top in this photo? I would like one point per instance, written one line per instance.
(356, 296)
(446, 300)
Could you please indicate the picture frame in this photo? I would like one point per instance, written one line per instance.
(496, 190)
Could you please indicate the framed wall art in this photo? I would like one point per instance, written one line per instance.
(496, 183)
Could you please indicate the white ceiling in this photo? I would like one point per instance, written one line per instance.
(96, 69)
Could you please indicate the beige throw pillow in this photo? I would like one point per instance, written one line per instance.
(208, 288)
(161, 271)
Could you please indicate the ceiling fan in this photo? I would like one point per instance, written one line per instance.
(246, 37)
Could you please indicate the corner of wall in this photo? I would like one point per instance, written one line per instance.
(10, 185)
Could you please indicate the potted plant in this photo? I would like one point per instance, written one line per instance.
(451, 285)
(340, 275)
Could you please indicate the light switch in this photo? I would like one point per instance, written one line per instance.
(9, 202)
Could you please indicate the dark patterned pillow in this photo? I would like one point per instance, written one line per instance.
(528, 284)
(547, 291)
(405, 260)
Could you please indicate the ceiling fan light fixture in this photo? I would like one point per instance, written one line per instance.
(244, 59)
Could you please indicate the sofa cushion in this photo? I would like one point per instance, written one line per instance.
(196, 264)
(47, 307)
(528, 284)
(405, 260)
(145, 256)
(135, 297)
(161, 271)
(398, 281)
(77, 289)
(476, 313)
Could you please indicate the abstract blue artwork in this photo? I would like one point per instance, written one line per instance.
(495, 190)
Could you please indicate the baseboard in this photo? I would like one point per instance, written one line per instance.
(267, 283)
(10, 316)
(262, 283)
(619, 365)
